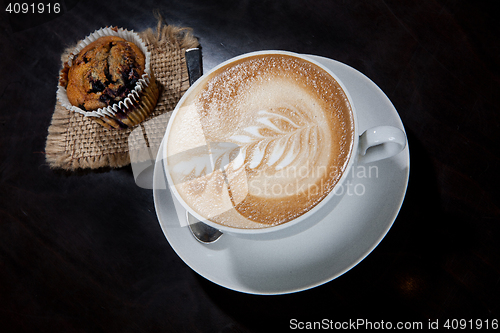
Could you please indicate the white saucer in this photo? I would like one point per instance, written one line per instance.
(323, 252)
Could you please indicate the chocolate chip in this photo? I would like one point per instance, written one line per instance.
(97, 86)
(106, 97)
(122, 92)
(132, 78)
(107, 74)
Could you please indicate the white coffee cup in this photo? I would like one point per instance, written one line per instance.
(374, 144)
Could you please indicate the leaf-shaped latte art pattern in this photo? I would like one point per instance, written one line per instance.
(277, 138)
(202, 161)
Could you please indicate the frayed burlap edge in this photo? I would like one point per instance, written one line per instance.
(56, 150)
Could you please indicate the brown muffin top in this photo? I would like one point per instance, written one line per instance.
(103, 73)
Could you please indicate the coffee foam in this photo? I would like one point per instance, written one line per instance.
(288, 130)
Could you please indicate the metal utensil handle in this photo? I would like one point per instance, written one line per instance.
(194, 64)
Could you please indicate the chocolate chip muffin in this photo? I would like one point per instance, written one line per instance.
(108, 79)
(104, 73)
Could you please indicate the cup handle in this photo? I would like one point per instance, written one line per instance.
(381, 142)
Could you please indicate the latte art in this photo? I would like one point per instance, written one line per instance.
(260, 141)
(275, 140)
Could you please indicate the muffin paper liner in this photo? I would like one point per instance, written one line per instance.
(138, 104)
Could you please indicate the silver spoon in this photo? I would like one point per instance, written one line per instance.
(202, 232)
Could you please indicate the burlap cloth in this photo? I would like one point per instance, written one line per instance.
(77, 142)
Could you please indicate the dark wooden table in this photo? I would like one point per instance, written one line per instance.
(84, 252)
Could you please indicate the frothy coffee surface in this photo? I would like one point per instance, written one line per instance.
(260, 141)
